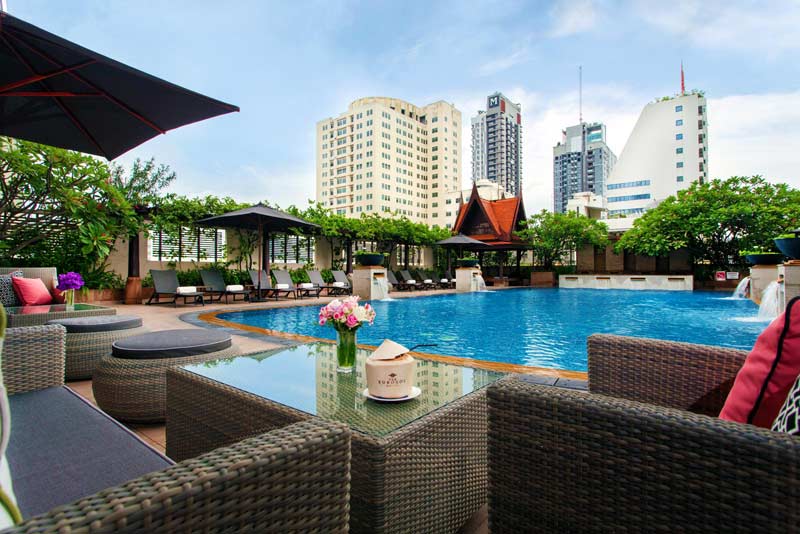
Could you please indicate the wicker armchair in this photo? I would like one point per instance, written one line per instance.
(637, 452)
(294, 479)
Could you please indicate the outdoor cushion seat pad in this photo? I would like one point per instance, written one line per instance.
(171, 344)
(62, 449)
(100, 323)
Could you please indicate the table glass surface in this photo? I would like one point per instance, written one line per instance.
(305, 378)
(51, 308)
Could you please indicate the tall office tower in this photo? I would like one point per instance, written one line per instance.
(582, 162)
(497, 144)
(666, 152)
(385, 155)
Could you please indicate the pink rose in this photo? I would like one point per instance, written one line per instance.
(322, 321)
(351, 321)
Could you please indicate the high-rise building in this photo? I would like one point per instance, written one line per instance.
(385, 155)
(582, 163)
(666, 152)
(497, 144)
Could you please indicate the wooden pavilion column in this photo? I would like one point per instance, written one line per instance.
(519, 262)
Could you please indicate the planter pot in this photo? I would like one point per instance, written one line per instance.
(133, 290)
(764, 259)
(467, 263)
(790, 246)
(371, 260)
(543, 279)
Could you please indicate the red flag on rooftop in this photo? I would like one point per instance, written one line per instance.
(683, 87)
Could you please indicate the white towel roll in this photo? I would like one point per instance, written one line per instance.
(182, 290)
(307, 285)
(427, 281)
(281, 286)
(338, 284)
(234, 287)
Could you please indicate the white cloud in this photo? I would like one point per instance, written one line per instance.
(762, 27)
(572, 16)
(505, 62)
(754, 134)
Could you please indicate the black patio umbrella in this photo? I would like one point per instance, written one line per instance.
(261, 218)
(55, 92)
(460, 242)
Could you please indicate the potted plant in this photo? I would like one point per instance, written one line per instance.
(789, 244)
(760, 256)
(468, 262)
(369, 258)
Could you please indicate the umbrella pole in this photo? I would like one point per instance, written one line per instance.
(260, 258)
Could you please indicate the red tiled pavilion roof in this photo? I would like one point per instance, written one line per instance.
(491, 221)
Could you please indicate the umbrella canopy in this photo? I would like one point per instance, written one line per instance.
(270, 219)
(54, 92)
(462, 241)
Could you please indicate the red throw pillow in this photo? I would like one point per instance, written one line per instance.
(763, 382)
(58, 296)
(31, 291)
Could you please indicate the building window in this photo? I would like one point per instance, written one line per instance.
(624, 185)
(679, 165)
(193, 244)
(678, 137)
(679, 179)
(643, 196)
(679, 122)
(678, 109)
(679, 150)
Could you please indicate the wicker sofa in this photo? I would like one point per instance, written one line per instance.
(642, 450)
(63, 450)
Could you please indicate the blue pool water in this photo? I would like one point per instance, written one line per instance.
(541, 327)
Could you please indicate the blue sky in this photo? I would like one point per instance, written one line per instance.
(290, 64)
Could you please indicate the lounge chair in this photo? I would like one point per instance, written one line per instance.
(394, 282)
(77, 470)
(165, 282)
(342, 282)
(435, 279)
(318, 281)
(266, 285)
(643, 450)
(451, 282)
(414, 281)
(215, 285)
(283, 277)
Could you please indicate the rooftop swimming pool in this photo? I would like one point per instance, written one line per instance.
(541, 327)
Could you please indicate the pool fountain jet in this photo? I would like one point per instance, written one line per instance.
(742, 290)
(771, 301)
(380, 287)
(370, 283)
(478, 283)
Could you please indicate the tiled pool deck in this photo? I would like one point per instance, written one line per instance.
(253, 339)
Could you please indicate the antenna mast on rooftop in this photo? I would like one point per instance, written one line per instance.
(683, 86)
(3, 6)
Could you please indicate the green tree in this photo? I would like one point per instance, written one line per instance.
(716, 220)
(554, 236)
(58, 207)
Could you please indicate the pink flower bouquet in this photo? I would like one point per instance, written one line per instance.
(346, 316)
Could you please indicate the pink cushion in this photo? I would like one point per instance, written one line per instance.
(31, 291)
(763, 382)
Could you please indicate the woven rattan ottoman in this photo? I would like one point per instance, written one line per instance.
(89, 339)
(130, 385)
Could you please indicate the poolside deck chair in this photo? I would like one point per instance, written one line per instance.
(341, 278)
(399, 284)
(266, 285)
(165, 282)
(318, 281)
(450, 279)
(435, 279)
(283, 277)
(215, 285)
(412, 281)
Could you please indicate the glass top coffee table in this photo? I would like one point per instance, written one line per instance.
(417, 466)
(38, 315)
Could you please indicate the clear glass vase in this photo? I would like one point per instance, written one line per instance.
(69, 299)
(346, 346)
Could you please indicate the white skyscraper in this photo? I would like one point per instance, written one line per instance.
(582, 162)
(666, 152)
(385, 155)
